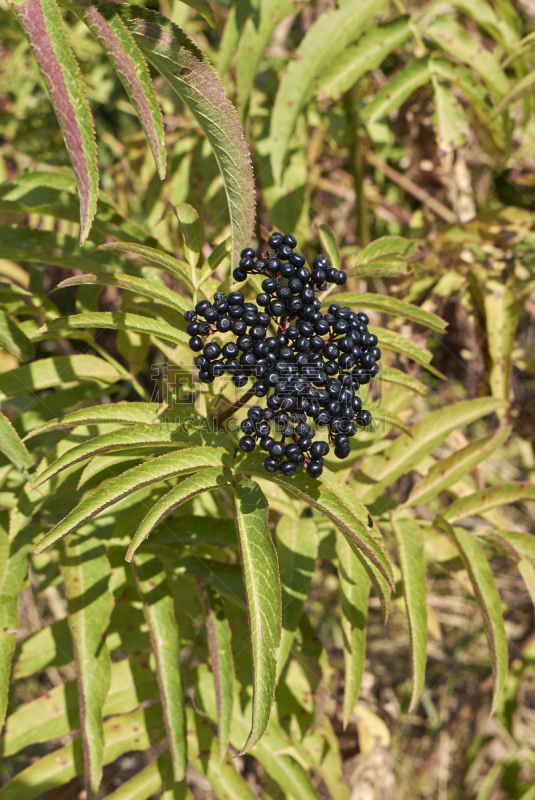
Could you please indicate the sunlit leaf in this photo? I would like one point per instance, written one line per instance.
(324, 41)
(297, 551)
(12, 447)
(190, 487)
(154, 291)
(13, 339)
(86, 572)
(395, 307)
(43, 26)
(449, 470)
(130, 67)
(199, 87)
(159, 614)
(479, 502)
(113, 320)
(48, 372)
(261, 578)
(407, 451)
(488, 600)
(502, 318)
(354, 592)
(410, 547)
(109, 493)
(397, 90)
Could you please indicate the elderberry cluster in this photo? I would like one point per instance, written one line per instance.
(313, 364)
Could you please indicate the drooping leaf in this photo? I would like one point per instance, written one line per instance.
(346, 514)
(109, 493)
(400, 344)
(405, 452)
(203, 8)
(450, 122)
(190, 226)
(399, 378)
(154, 291)
(12, 447)
(222, 775)
(517, 92)
(502, 317)
(54, 371)
(270, 750)
(513, 544)
(133, 436)
(297, 551)
(479, 502)
(133, 681)
(449, 470)
(112, 320)
(488, 600)
(137, 731)
(386, 248)
(330, 246)
(86, 571)
(13, 339)
(199, 87)
(172, 265)
(130, 67)
(371, 49)
(410, 547)
(190, 487)
(125, 413)
(354, 594)
(13, 575)
(43, 27)
(395, 307)
(325, 40)
(459, 42)
(262, 583)
(159, 613)
(255, 36)
(219, 644)
(397, 90)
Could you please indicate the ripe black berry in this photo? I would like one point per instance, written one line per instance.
(309, 370)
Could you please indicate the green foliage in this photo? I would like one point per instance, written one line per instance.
(161, 594)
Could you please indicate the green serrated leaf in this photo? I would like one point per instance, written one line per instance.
(324, 41)
(451, 469)
(459, 42)
(450, 122)
(112, 320)
(86, 571)
(190, 226)
(399, 344)
(48, 372)
(398, 378)
(130, 67)
(410, 547)
(12, 447)
(397, 90)
(375, 44)
(188, 488)
(174, 266)
(199, 87)
(13, 339)
(159, 613)
(512, 544)
(219, 644)
(405, 452)
(354, 594)
(488, 600)
(255, 37)
(137, 731)
(158, 469)
(397, 308)
(125, 413)
(133, 681)
(330, 246)
(386, 248)
(502, 317)
(297, 551)
(479, 502)
(43, 27)
(348, 514)
(13, 576)
(154, 291)
(262, 583)
(225, 781)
